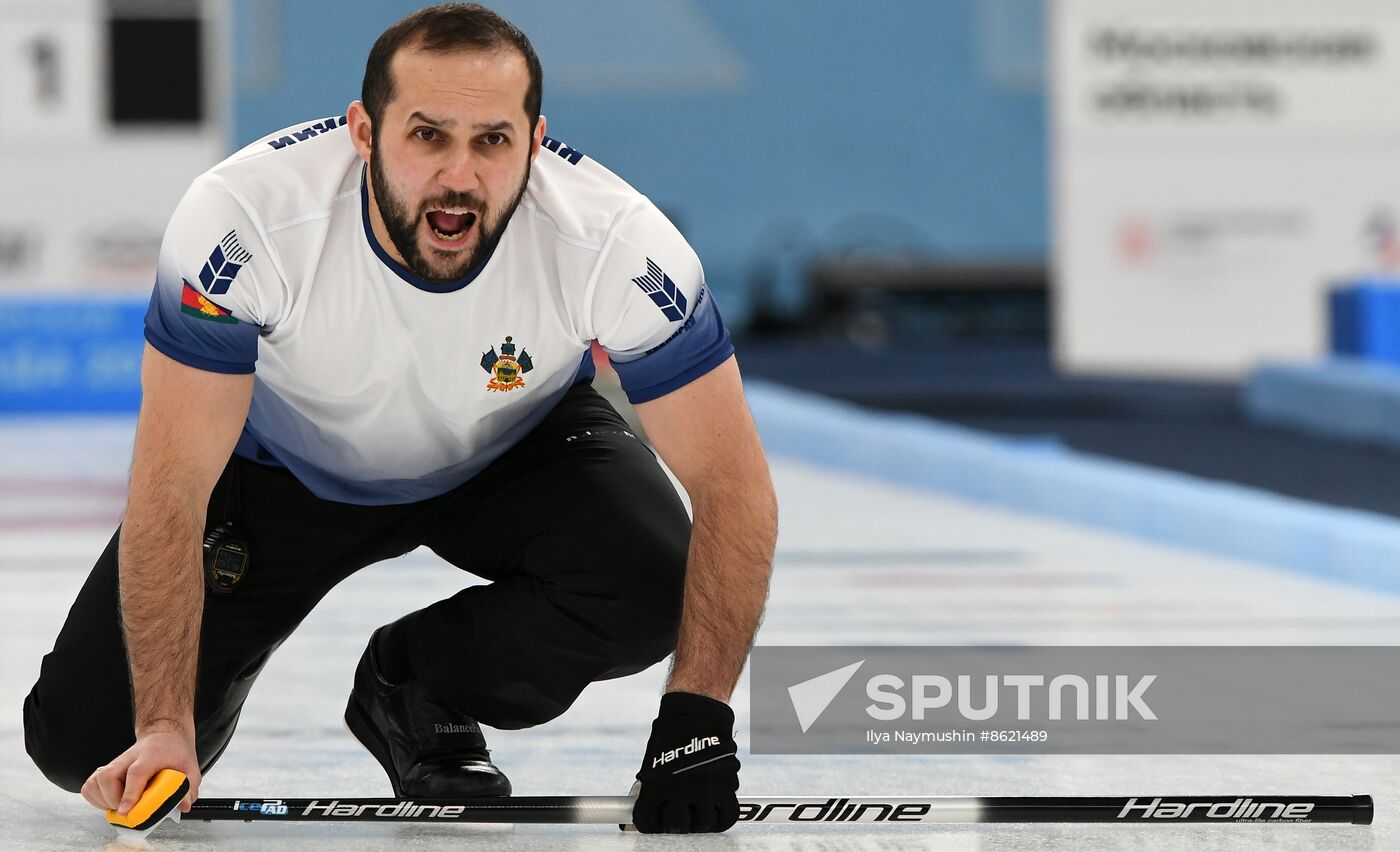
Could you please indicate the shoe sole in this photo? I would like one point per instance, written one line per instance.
(363, 730)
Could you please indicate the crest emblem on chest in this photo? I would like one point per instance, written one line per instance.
(507, 369)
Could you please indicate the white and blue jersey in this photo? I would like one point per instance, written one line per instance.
(374, 386)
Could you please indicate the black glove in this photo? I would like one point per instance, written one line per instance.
(690, 775)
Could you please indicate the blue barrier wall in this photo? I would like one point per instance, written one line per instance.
(1350, 546)
(761, 128)
(77, 353)
(1342, 399)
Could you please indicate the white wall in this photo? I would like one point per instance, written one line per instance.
(1217, 166)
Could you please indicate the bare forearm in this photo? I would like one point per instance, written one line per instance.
(190, 420)
(726, 587)
(162, 605)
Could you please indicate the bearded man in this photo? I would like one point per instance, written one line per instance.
(370, 333)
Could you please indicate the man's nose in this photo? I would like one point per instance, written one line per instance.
(459, 175)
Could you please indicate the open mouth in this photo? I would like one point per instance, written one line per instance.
(451, 225)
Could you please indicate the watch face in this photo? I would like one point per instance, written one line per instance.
(226, 566)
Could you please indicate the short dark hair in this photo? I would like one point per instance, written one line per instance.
(442, 29)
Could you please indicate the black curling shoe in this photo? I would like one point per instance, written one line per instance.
(429, 750)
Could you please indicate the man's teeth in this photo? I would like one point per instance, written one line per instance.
(455, 211)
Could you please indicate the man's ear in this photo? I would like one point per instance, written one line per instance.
(361, 129)
(536, 139)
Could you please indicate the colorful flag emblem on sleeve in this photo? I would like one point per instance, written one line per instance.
(193, 303)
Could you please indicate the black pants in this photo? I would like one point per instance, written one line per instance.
(577, 527)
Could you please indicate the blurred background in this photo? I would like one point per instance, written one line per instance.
(1157, 232)
(1063, 322)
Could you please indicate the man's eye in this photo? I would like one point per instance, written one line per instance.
(494, 139)
(426, 134)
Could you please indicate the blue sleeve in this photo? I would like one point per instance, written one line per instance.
(697, 347)
(205, 307)
(651, 309)
(219, 346)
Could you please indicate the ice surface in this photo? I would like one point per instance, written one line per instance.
(859, 562)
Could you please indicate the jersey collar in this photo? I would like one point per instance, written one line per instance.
(395, 266)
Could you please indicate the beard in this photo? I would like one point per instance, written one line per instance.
(439, 266)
